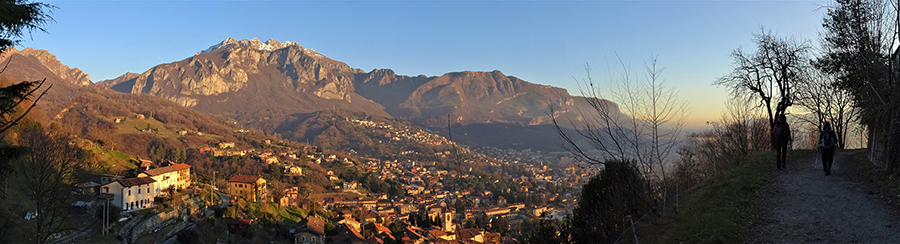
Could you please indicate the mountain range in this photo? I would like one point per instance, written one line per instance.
(271, 85)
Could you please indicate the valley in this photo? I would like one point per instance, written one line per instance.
(326, 140)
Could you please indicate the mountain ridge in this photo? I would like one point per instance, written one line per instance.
(270, 84)
(54, 65)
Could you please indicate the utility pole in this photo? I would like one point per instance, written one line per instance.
(213, 187)
(106, 217)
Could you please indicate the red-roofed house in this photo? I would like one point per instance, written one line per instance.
(238, 226)
(439, 234)
(348, 234)
(310, 230)
(177, 176)
(252, 188)
(411, 235)
(471, 235)
(377, 228)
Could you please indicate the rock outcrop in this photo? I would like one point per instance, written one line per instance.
(264, 82)
(49, 61)
(253, 81)
(229, 66)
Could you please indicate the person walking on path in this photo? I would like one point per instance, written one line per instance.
(781, 136)
(827, 139)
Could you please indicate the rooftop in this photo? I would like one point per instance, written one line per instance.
(129, 182)
(167, 169)
(250, 179)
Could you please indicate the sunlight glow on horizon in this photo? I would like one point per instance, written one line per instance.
(540, 42)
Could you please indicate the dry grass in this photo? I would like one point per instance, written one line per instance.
(723, 210)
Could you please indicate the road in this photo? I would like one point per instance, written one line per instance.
(226, 200)
(802, 205)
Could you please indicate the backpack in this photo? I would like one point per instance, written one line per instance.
(827, 139)
(780, 134)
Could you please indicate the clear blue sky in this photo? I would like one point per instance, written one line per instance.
(541, 42)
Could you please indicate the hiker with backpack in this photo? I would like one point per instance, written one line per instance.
(781, 136)
(827, 139)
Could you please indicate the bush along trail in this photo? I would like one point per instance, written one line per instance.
(802, 205)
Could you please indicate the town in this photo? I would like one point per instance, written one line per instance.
(480, 199)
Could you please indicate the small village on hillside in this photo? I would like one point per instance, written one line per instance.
(470, 122)
(426, 202)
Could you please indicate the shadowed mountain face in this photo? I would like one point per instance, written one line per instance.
(252, 81)
(268, 84)
(468, 97)
(35, 64)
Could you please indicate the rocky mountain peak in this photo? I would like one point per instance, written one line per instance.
(49, 60)
(269, 45)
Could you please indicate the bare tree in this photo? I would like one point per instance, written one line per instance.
(47, 172)
(820, 95)
(734, 135)
(858, 42)
(737, 128)
(646, 130)
(769, 74)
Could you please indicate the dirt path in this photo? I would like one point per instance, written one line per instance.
(802, 205)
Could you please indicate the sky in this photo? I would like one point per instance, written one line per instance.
(544, 42)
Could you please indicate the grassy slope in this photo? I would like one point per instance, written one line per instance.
(887, 181)
(159, 129)
(723, 210)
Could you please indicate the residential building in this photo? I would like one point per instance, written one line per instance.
(438, 234)
(290, 197)
(470, 235)
(293, 170)
(349, 185)
(177, 176)
(311, 230)
(348, 234)
(224, 145)
(239, 226)
(251, 188)
(109, 178)
(144, 164)
(496, 211)
(270, 159)
(131, 193)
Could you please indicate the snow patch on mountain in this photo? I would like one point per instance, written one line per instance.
(269, 45)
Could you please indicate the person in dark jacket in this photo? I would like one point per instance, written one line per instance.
(781, 137)
(827, 139)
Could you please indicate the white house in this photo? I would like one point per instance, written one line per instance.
(177, 176)
(131, 193)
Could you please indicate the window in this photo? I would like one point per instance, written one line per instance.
(106, 189)
(129, 192)
(303, 238)
(313, 239)
(139, 190)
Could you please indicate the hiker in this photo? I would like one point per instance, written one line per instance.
(827, 139)
(781, 137)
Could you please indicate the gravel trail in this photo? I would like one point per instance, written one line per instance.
(802, 205)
